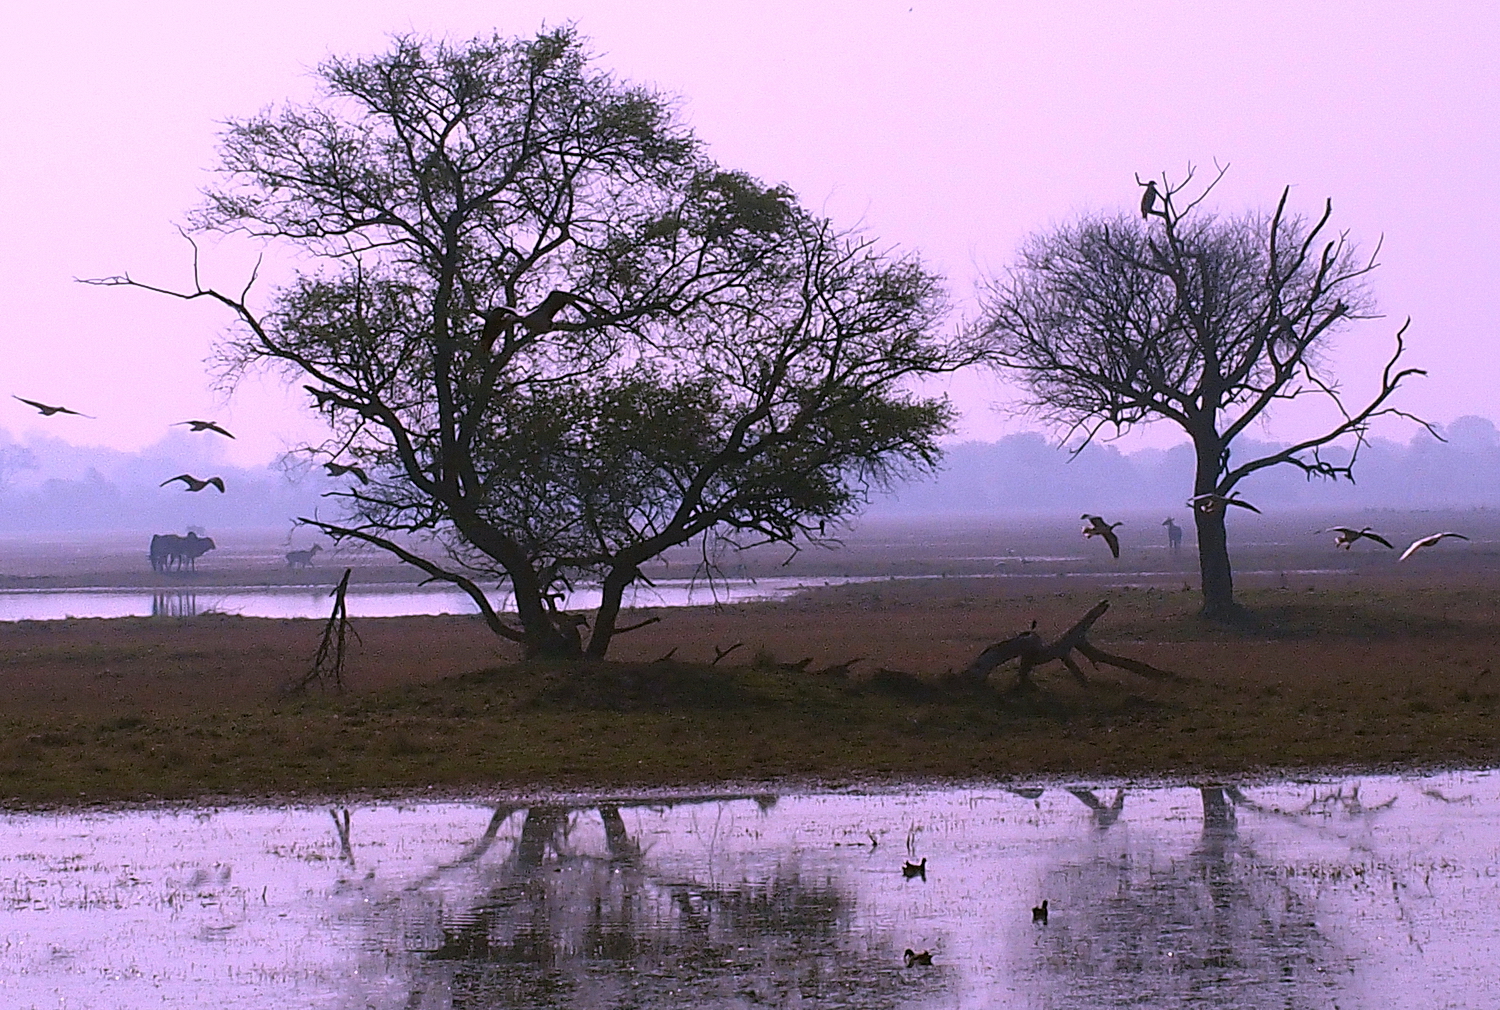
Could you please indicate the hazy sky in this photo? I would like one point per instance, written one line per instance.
(952, 128)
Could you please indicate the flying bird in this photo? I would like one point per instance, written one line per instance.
(1097, 527)
(205, 426)
(1148, 199)
(912, 957)
(1348, 537)
(1211, 503)
(339, 469)
(1417, 545)
(194, 484)
(47, 410)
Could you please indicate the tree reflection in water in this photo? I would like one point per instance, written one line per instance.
(557, 927)
(1219, 928)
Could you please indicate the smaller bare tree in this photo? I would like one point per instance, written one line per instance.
(1203, 321)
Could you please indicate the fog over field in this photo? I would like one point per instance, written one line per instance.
(50, 485)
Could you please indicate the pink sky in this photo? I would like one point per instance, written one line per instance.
(952, 128)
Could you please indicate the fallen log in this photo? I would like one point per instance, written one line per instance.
(1033, 651)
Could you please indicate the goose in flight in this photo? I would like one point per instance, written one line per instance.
(339, 469)
(1417, 545)
(1348, 537)
(205, 426)
(47, 410)
(1097, 527)
(194, 484)
(1211, 503)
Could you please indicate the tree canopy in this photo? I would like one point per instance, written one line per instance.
(558, 337)
(1205, 321)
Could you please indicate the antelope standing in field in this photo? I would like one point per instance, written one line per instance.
(1174, 534)
(302, 559)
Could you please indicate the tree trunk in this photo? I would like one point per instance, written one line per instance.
(613, 591)
(1216, 578)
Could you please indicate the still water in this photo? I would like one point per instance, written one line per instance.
(1380, 892)
(363, 601)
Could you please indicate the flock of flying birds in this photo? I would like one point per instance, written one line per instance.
(1097, 527)
(1209, 503)
(193, 483)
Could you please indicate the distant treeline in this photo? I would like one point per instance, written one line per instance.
(1029, 473)
(48, 485)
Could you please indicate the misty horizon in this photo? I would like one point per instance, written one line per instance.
(48, 484)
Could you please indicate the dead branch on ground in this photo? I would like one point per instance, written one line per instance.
(1032, 651)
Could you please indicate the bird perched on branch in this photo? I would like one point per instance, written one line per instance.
(1211, 503)
(339, 469)
(1348, 537)
(194, 484)
(205, 426)
(1148, 199)
(1417, 545)
(1097, 527)
(48, 410)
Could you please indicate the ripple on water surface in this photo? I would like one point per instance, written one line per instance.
(1378, 892)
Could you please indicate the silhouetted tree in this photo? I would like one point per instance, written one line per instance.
(557, 336)
(1200, 320)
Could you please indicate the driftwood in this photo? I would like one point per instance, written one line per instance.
(328, 662)
(1032, 651)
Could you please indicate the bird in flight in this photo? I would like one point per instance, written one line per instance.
(1097, 527)
(1211, 503)
(205, 426)
(194, 484)
(1417, 545)
(339, 469)
(48, 410)
(1348, 537)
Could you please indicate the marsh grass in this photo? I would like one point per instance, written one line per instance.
(1351, 680)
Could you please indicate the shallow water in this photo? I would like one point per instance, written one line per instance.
(362, 601)
(1379, 892)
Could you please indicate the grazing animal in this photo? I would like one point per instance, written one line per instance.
(1208, 504)
(194, 484)
(339, 469)
(912, 957)
(1417, 545)
(302, 559)
(910, 869)
(1148, 199)
(47, 410)
(1174, 534)
(169, 550)
(205, 426)
(1039, 913)
(1097, 527)
(1348, 537)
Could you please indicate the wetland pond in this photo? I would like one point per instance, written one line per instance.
(1381, 891)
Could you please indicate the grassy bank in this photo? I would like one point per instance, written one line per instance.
(1352, 680)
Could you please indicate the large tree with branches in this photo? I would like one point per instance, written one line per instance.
(557, 337)
(1184, 316)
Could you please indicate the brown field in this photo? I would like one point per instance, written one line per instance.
(1353, 662)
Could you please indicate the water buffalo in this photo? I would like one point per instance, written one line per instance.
(168, 549)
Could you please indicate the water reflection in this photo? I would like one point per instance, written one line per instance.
(1381, 892)
(174, 603)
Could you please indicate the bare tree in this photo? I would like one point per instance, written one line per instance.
(552, 335)
(1200, 320)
